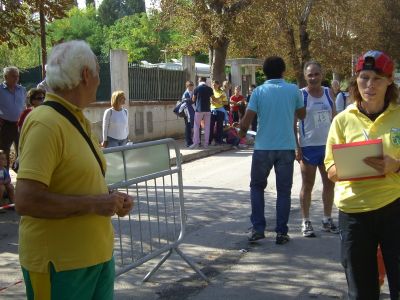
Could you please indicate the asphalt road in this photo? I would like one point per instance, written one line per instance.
(217, 204)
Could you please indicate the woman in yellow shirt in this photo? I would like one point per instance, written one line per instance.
(369, 210)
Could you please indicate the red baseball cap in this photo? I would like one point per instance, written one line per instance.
(375, 61)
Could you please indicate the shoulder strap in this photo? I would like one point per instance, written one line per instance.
(70, 117)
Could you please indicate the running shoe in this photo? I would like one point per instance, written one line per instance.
(307, 229)
(329, 226)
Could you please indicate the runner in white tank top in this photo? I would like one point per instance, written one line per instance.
(313, 130)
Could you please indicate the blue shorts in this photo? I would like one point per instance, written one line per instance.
(313, 155)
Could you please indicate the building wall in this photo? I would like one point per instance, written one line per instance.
(148, 120)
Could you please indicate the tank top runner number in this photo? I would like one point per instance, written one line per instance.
(315, 127)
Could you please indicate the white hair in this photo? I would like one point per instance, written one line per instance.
(8, 70)
(65, 64)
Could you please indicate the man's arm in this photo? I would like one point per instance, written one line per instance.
(246, 121)
(32, 198)
(300, 113)
(299, 154)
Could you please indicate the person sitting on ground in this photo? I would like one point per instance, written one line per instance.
(35, 97)
(6, 187)
(231, 136)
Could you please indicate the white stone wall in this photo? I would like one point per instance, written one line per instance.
(147, 120)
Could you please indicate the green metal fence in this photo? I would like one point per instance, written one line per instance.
(145, 83)
(154, 83)
(29, 78)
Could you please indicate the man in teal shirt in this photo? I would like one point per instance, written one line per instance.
(276, 103)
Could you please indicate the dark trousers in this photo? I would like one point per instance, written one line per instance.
(8, 136)
(188, 132)
(235, 116)
(217, 120)
(360, 234)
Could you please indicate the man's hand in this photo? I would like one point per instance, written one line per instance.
(127, 206)
(108, 204)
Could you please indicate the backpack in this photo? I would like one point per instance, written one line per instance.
(179, 109)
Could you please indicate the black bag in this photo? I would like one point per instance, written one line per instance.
(179, 109)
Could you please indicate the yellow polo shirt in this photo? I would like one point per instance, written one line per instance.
(53, 152)
(220, 101)
(370, 194)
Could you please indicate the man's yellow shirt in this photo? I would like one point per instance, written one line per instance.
(53, 152)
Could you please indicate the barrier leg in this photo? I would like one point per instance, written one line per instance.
(191, 264)
(165, 257)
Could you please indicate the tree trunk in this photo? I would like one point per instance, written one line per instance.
(297, 67)
(43, 38)
(304, 43)
(211, 59)
(219, 59)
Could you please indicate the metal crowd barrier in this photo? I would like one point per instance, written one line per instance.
(157, 222)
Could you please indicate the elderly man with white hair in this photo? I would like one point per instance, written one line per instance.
(12, 102)
(65, 234)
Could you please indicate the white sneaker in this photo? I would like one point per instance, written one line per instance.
(194, 146)
(307, 229)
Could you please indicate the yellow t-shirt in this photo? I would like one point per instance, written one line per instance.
(370, 194)
(220, 101)
(53, 152)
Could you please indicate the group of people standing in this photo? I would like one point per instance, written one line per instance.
(369, 209)
(209, 108)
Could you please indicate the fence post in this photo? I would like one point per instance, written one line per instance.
(119, 72)
(236, 72)
(189, 65)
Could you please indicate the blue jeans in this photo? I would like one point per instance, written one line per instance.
(262, 163)
(360, 234)
(114, 142)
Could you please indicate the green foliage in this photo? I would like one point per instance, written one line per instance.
(139, 35)
(112, 10)
(80, 24)
(23, 56)
(19, 20)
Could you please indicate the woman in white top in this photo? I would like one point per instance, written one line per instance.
(115, 122)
